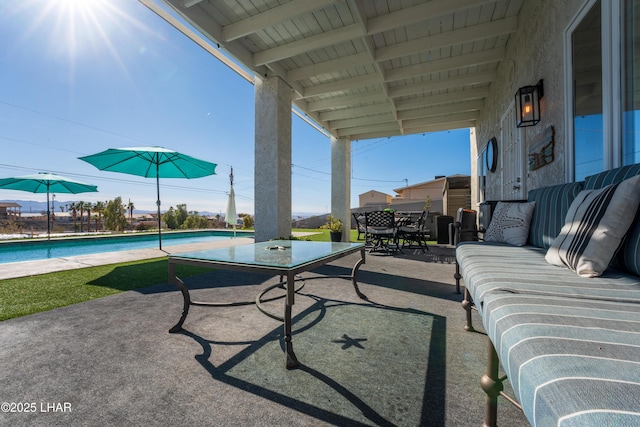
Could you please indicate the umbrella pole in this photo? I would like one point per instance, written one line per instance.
(48, 217)
(158, 203)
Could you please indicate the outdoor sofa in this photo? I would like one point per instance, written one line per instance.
(569, 344)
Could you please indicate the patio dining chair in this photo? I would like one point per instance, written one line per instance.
(414, 232)
(380, 231)
(360, 224)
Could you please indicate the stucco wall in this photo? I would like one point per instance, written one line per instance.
(535, 52)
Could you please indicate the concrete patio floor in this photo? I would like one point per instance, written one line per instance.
(400, 358)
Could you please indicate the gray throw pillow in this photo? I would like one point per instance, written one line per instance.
(510, 223)
(595, 224)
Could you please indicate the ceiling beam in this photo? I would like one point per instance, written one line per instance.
(445, 64)
(327, 67)
(420, 13)
(342, 85)
(271, 17)
(362, 121)
(190, 3)
(207, 28)
(350, 113)
(308, 44)
(360, 16)
(436, 120)
(450, 38)
(380, 127)
(439, 127)
(442, 98)
(440, 110)
(443, 83)
(348, 101)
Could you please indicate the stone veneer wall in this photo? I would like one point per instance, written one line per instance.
(535, 52)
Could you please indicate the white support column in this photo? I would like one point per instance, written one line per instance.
(272, 159)
(341, 183)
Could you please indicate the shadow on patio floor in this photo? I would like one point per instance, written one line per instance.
(401, 358)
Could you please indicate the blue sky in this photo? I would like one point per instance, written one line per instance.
(80, 76)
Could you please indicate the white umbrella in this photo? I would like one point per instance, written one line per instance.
(231, 214)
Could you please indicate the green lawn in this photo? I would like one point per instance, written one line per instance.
(28, 295)
(323, 235)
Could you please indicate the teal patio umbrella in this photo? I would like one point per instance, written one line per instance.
(151, 162)
(46, 183)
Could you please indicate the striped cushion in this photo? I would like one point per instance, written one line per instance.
(628, 257)
(612, 176)
(595, 225)
(570, 346)
(552, 204)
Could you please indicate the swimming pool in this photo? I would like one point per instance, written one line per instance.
(60, 248)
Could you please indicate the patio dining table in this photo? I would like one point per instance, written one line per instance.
(286, 258)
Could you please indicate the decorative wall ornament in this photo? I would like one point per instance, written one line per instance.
(491, 154)
(541, 149)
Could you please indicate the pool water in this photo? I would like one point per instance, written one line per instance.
(61, 248)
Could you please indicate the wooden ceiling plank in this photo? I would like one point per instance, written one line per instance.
(307, 44)
(331, 66)
(450, 38)
(429, 121)
(271, 17)
(442, 98)
(444, 83)
(419, 13)
(350, 113)
(342, 85)
(362, 121)
(347, 101)
(440, 110)
(461, 61)
(370, 128)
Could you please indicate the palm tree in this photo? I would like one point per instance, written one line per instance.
(99, 208)
(87, 207)
(80, 205)
(74, 209)
(131, 207)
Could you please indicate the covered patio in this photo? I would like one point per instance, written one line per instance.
(358, 70)
(394, 360)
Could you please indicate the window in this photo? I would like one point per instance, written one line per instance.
(631, 75)
(587, 95)
(603, 70)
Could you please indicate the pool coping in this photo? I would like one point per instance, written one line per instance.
(14, 270)
(31, 268)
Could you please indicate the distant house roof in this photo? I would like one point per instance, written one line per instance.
(9, 205)
(450, 178)
(374, 192)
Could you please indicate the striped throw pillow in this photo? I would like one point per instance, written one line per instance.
(595, 224)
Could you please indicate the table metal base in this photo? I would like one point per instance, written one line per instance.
(290, 287)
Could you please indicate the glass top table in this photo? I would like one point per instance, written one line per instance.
(277, 257)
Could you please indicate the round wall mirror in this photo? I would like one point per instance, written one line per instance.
(492, 154)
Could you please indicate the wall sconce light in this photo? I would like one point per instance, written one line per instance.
(528, 105)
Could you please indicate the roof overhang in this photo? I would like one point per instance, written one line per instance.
(363, 69)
